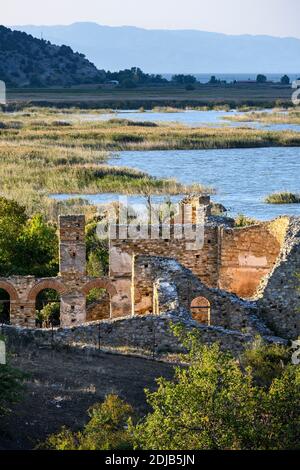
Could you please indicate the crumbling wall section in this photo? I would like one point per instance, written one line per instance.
(227, 310)
(278, 297)
(247, 255)
(149, 334)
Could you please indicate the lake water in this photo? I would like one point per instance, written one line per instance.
(242, 177)
(189, 118)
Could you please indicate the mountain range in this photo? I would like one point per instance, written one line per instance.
(174, 51)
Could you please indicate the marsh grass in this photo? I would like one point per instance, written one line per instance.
(45, 152)
(283, 198)
(278, 116)
(42, 156)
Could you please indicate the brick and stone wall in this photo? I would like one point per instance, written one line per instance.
(247, 255)
(72, 283)
(278, 298)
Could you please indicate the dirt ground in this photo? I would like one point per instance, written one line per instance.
(63, 385)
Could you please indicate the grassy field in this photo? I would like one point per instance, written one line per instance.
(259, 95)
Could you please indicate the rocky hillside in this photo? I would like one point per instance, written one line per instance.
(27, 61)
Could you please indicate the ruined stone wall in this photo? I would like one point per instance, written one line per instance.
(278, 297)
(203, 262)
(234, 260)
(226, 309)
(149, 334)
(247, 255)
(99, 310)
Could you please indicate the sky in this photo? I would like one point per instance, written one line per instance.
(272, 17)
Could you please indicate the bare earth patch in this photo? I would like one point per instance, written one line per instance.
(63, 385)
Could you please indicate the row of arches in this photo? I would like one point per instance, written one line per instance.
(45, 299)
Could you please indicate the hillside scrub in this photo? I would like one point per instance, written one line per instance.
(215, 403)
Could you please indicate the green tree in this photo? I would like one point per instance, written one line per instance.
(27, 246)
(182, 79)
(97, 251)
(216, 404)
(285, 80)
(261, 78)
(37, 248)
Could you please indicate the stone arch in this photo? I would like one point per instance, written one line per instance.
(98, 306)
(46, 284)
(99, 284)
(10, 289)
(201, 309)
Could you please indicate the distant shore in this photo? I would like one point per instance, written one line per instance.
(95, 97)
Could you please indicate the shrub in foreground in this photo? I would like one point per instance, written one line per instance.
(216, 402)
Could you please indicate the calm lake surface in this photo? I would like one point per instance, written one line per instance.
(242, 177)
(189, 118)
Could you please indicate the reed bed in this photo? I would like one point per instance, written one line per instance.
(276, 117)
(44, 152)
(283, 198)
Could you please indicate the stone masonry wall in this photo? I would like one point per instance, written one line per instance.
(149, 334)
(234, 260)
(227, 310)
(278, 297)
(247, 255)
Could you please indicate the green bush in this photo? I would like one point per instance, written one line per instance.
(244, 221)
(283, 198)
(216, 402)
(106, 430)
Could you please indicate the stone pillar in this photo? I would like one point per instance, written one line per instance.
(22, 314)
(72, 267)
(121, 266)
(72, 309)
(72, 249)
(196, 209)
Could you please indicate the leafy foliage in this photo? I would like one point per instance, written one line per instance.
(106, 430)
(97, 251)
(27, 246)
(216, 402)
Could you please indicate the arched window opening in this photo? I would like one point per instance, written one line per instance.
(4, 307)
(200, 309)
(47, 305)
(97, 304)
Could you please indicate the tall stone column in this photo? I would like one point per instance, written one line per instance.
(72, 249)
(72, 266)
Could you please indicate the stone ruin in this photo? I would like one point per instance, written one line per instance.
(243, 280)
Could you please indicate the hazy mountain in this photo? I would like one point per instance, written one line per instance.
(163, 51)
(25, 60)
